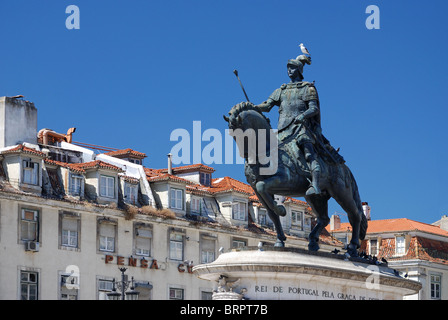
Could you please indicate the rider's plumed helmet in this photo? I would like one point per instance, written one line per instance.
(299, 62)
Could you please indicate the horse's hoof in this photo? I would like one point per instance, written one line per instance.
(313, 246)
(352, 250)
(279, 244)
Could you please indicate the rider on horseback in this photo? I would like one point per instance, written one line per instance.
(299, 119)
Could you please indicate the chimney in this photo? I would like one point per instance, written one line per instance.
(442, 223)
(170, 164)
(335, 222)
(18, 121)
(366, 209)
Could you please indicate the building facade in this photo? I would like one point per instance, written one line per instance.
(70, 217)
(416, 250)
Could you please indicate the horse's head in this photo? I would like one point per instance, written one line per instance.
(254, 137)
(247, 116)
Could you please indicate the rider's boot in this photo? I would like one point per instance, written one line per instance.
(314, 189)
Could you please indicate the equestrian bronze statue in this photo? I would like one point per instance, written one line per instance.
(302, 161)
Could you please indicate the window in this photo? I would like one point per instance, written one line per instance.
(262, 218)
(29, 225)
(30, 172)
(206, 295)
(176, 246)
(436, 281)
(195, 204)
(107, 186)
(307, 223)
(205, 179)
(104, 287)
(107, 236)
(75, 185)
(69, 232)
(130, 193)
(207, 249)
(239, 211)
(28, 285)
(296, 218)
(176, 294)
(136, 161)
(400, 245)
(143, 238)
(69, 287)
(373, 247)
(177, 197)
(238, 243)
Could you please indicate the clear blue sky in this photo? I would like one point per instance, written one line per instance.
(138, 69)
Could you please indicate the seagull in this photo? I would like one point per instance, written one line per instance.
(221, 250)
(304, 49)
(260, 245)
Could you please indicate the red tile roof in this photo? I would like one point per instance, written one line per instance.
(395, 225)
(129, 179)
(126, 152)
(296, 201)
(64, 165)
(190, 168)
(227, 184)
(22, 149)
(155, 175)
(97, 164)
(82, 167)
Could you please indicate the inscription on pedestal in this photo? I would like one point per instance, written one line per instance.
(310, 293)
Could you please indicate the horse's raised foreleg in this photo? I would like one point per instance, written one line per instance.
(319, 204)
(265, 192)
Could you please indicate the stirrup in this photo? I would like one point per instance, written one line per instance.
(313, 191)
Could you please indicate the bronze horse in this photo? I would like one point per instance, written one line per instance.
(291, 178)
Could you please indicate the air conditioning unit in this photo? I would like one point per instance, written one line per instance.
(32, 246)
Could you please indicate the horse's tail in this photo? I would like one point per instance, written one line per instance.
(364, 224)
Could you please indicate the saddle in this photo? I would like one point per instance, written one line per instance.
(327, 156)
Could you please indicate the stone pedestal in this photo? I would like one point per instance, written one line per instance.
(294, 274)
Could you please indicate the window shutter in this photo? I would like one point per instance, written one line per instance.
(107, 230)
(70, 224)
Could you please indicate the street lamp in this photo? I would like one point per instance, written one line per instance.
(122, 286)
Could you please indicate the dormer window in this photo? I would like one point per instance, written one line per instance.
(107, 186)
(195, 204)
(75, 185)
(205, 178)
(30, 172)
(177, 198)
(400, 245)
(136, 161)
(239, 211)
(130, 193)
(296, 218)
